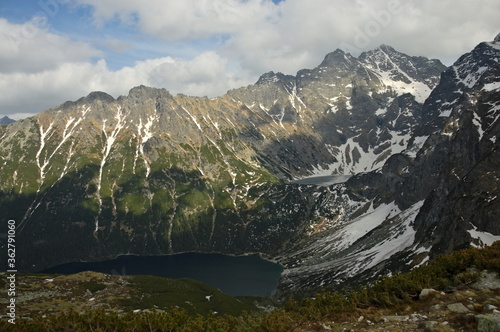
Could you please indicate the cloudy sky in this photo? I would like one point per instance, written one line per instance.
(57, 50)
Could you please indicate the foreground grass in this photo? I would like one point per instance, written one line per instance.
(444, 273)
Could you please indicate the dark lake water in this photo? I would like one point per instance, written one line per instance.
(234, 275)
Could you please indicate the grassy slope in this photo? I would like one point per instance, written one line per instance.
(449, 274)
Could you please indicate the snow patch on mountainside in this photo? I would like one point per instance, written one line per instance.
(352, 247)
(491, 86)
(418, 89)
(471, 79)
(360, 226)
(400, 236)
(353, 159)
(386, 67)
(418, 143)
(484, 238)
(344, 234)
(106, 149)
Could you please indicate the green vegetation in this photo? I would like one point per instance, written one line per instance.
(444, 273)
(93, 286)
(199, 196)
(194, 297)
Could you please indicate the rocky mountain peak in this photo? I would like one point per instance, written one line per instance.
(99, 95)
(333, 95)
(336, 58)
(406, 74)
(497, 38)
(272, 77)
(145, 92)
(6, 120)
(480, 66)
(386, 48)
(91, 98)
(380, 53)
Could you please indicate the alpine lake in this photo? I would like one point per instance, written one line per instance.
(248, 275)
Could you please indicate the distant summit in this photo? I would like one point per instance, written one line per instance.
(6, 120)
(497, 39)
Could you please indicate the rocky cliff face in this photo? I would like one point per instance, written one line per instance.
(147, 173)
(346, 116)
(439, 194)
(467, 148)
(153, 173)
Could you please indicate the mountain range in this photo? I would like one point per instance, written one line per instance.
(6, 120)
(410, 148)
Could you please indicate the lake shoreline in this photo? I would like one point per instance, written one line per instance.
(249, 274)
(261, 255)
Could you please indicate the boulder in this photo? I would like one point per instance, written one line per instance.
(488, 323)
(427, 293)
(488, 280)
(457, 307)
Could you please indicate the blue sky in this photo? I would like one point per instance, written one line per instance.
(58, 50)
(122, 43)
(76, 22)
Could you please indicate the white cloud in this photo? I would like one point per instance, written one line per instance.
(308, 30)
(297, 34)
(444, 29)
(206, 74)
(187, 19)
(27, 48)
